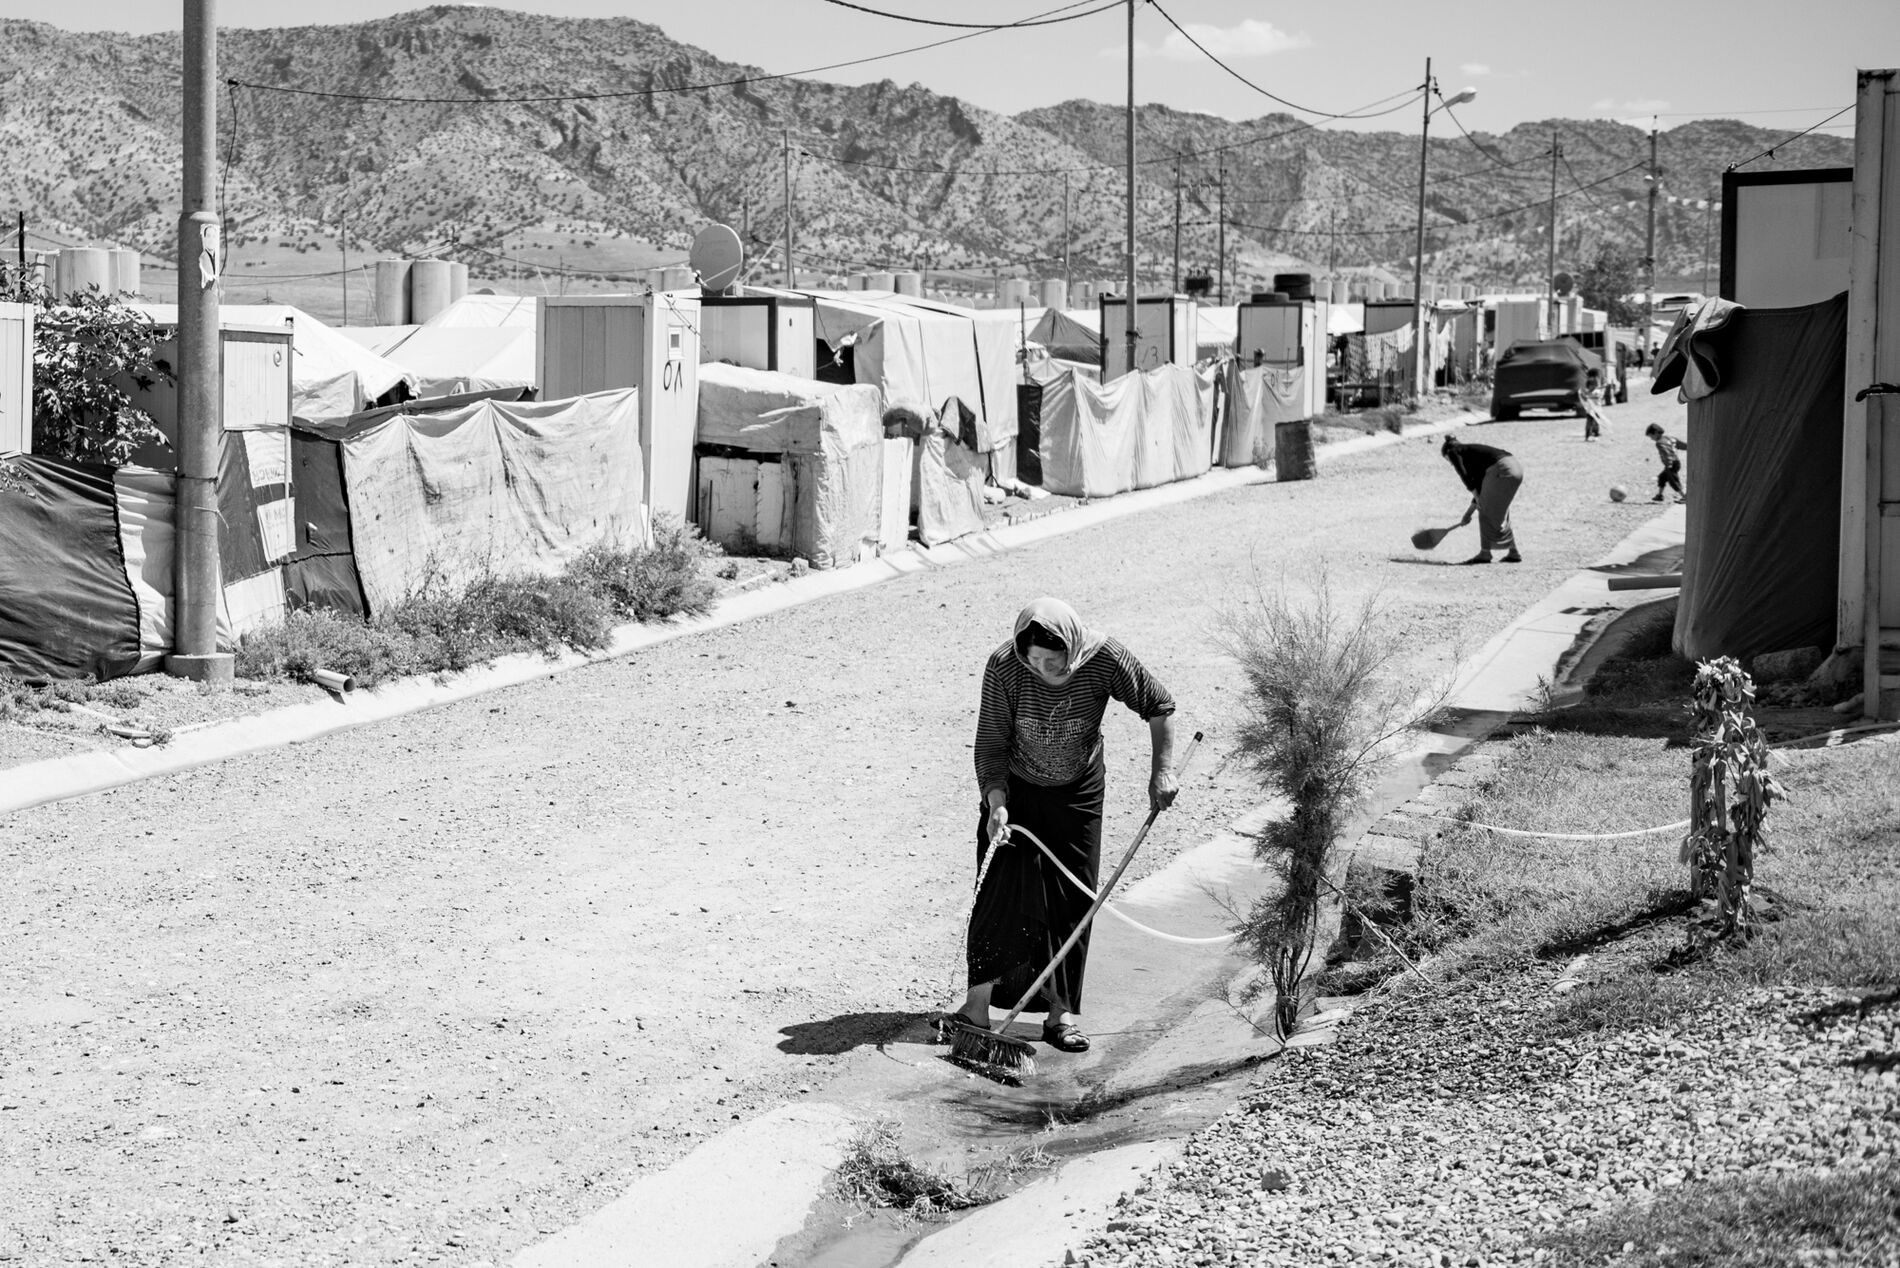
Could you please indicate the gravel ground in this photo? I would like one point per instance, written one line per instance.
(1455, 1132)
(426, 990)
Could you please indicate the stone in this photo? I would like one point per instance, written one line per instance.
(1792, 665)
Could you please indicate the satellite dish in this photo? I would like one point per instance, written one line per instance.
(1563, 282)
(716, 256)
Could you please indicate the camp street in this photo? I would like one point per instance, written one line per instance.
(437, 987)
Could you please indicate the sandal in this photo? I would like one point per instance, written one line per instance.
(1065, 1037)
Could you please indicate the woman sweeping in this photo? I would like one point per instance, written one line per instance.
(1493, 476)
(1039, 766)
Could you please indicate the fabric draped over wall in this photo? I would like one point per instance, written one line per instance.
(441, 499)
(1258, 398)
(1760, 555)
(66, 607)
(1139, 431)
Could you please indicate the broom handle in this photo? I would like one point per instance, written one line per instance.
(1101, 896)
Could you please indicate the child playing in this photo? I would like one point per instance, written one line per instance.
(1670, 477)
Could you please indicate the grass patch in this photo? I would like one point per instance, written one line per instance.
(875, 1175)
(1847, 1217)
(440, 630)
(20, 700)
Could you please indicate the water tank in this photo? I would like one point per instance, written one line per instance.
(458, 280)
(428, 289)
(1341, 291)
(1014, 291)
(82, 267)
(1375, 289)
(878, 281)
(392, 292)
(125, 271)
(678, 277)
(1053, 292)
(908, 283)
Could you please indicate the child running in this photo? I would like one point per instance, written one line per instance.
(1670, 477)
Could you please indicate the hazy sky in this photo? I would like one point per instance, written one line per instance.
(1775, 63)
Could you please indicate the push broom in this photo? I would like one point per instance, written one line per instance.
(996, 1053)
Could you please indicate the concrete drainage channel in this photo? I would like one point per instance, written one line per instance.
(1174, 1051)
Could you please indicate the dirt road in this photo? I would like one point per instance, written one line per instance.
(427, 990)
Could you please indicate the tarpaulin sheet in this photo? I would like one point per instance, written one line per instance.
(492, 488)
(999, 335)
(146, 507)
(1134, 433)
(949, 483)
(1259, 398)
(833, 435)
(449, 360)
(915, 358)
(321, 570)
(66, 608)
(1070, 334)
(1761, 551)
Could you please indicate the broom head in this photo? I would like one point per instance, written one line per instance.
(991, 1055)
(1426, 538)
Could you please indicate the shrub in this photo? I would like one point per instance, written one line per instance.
(1318, 712)
(655, 583)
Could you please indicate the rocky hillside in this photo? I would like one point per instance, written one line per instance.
(91, 125)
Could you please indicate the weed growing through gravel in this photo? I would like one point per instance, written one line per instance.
(442, 630)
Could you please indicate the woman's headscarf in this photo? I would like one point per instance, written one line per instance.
(1060, 620)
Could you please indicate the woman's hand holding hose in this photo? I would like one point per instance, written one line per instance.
(999, 816)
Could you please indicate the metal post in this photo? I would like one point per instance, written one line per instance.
(1220, 216)
(1708, 227)
(344, 217)
(1418, 258)
(1332, 251)
(1649, 251)
(1133, 297)
(1065, 236)
(22, 246)
(791, 278)
(195, 574)
(1177, 226)
(1550, 270)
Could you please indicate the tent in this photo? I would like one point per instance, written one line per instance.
(1070, 334)
(378, 339)
(448, 360)
(1760, 557)
(1217, 330)
(1258, 399)
(795, 464)
(471, 311)
(334, 376)
(491, 488)
(1136, 432)
(66, 605)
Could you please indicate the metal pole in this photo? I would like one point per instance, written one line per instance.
(1332, 252)
(344, 216)
(1550, 269)
(1708, 225)
(1134, 297)
(791, 280)
(1065, 236)
(1177, 226)
(1649, 250)
(22, 246)
(1418, 258)
(195, 570)
(1220, 216)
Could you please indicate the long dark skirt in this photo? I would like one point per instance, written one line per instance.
(1027, 909)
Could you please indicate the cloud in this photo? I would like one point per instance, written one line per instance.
(1475, 68)
(1247, 38)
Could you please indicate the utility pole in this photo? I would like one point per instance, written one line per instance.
(1550, 270)
(1708, 225)
(1177, 226)
(1332, 251)
(1649, 256)
(1419, 342)
(196, 577)
(791, 277)
(1220, 216)
(1134, 297)
(1065, 234)
(343, 240)
(21, 247)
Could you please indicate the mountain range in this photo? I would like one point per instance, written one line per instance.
(629, 142)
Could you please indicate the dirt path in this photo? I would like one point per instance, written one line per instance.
(427, 990)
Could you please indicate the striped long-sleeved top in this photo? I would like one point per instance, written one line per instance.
(1053, 735)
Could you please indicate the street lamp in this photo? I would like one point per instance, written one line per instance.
(1419, 334)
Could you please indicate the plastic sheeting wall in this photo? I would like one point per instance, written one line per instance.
(1135, 432)
(1758, 568)
(66, 607)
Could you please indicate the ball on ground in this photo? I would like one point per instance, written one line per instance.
(1618, 493)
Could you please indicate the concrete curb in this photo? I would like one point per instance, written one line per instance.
(60, 778)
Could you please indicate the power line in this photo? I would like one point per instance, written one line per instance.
(1262, 139)
(1590, 198)
(978, 26)
(635, 92)
(1169, 18)
(1770, 151)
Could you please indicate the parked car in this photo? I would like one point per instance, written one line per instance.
(1549, 375)
(1614, 353)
